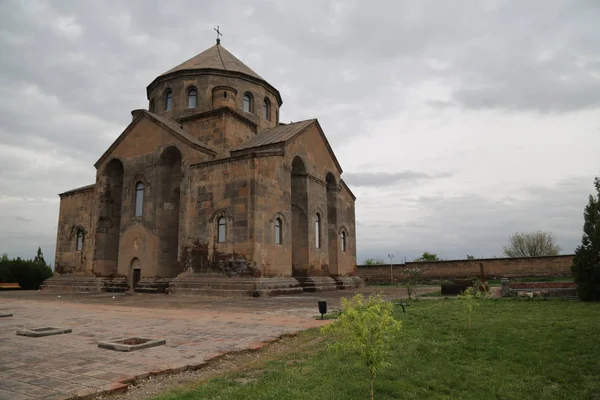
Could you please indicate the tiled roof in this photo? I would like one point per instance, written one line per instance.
(216, 57)
(279, 134)
(79, 189)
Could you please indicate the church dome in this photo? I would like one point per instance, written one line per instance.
(210, 80)
(217, 58)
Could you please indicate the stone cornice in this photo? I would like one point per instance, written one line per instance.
(216, 112)
(245, 156)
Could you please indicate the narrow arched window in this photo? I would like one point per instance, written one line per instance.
(221, 229)
(192, 98)
(278, 231)
(151, 107)
(343, 240)
(266, 109)
(318, 231)
(139, 199)
(247, 102)
(79, 245)
(169, 100)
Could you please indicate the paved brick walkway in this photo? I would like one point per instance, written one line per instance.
(196, 330)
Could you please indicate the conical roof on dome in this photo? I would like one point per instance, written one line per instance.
(216, 57)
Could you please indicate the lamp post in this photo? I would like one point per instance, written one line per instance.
(391, 256)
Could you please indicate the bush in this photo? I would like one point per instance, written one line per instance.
(366, 329)
(29, 274)
(586, 263)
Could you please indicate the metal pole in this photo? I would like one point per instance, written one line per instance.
(391, 256)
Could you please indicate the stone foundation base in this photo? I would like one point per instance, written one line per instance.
(207, 284)
(75, 283)
(277, 286)
(349, 282)
(153, 285)
(317, 283)
(116, 285)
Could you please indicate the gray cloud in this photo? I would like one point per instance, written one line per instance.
(475, 224)
(379, 179)
(21, 219)
(71, 72)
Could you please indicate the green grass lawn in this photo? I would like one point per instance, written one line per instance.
(517, 349)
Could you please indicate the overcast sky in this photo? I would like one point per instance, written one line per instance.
(457, 123)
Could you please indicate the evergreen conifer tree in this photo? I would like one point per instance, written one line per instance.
(586, 263)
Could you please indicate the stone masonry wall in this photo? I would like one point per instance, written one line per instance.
(140, 153)
(75, 213)
(346, 218)
(272, 184)
(310, 146)
(220, 131)
(204, 85)
(456, 269)
(217, 189)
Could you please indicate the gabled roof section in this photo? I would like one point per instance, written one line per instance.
(170, 126)
(345, 186)
(77, 190)
(281, 134)
(216, 57)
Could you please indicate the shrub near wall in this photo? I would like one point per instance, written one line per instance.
(29, 274)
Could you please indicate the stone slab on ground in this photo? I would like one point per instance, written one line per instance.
(43, 331)
(196, 330)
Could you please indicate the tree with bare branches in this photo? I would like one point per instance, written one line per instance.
(533, 244)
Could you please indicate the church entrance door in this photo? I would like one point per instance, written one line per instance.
(137, 275)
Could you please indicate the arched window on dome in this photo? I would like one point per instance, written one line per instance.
(169, 100)
(266, 109)
(151, 107)
(247, 102)
(192, 98)
(343, 241)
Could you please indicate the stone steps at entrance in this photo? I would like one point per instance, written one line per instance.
(349, 282)
(153, 285)
(117, 285)
(317, 283)
(208, 284)
(210, 292)
(74, 284)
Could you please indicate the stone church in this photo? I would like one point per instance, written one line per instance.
(207, 192)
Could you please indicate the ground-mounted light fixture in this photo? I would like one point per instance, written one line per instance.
(322, 308)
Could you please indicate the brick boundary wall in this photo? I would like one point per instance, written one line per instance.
(495, 268)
